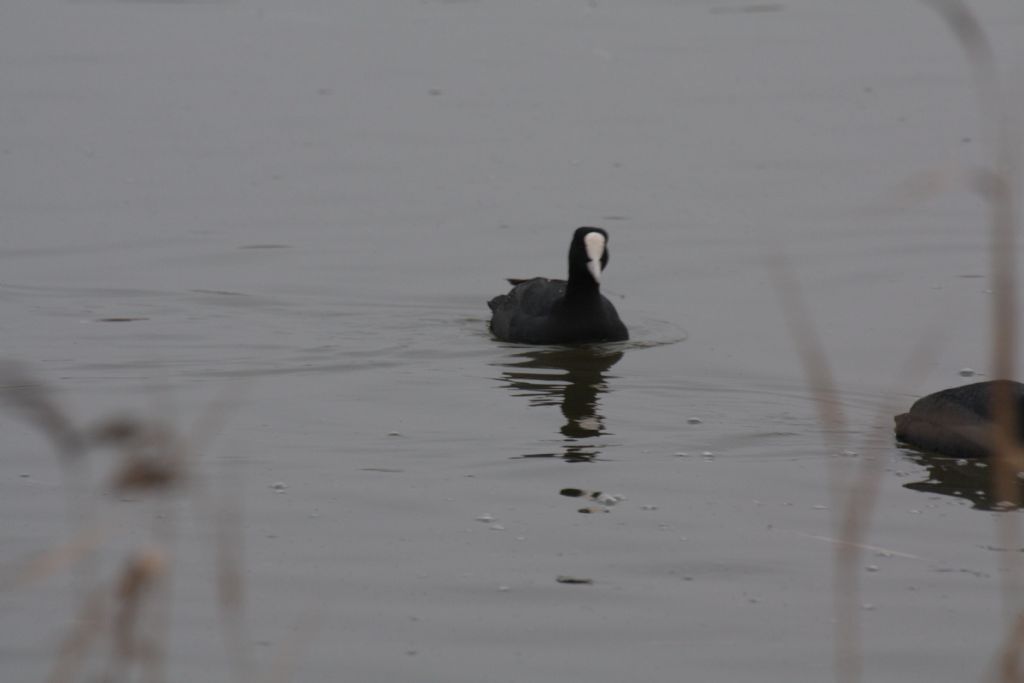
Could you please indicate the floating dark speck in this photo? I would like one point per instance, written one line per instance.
(563, 578)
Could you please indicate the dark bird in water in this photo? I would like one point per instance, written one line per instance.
(543, 311)
(958, 422)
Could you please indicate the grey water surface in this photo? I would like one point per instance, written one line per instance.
(306, 205)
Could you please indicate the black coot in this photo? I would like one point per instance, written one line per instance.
(957, 422)
(542, 311)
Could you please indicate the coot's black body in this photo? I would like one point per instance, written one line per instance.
(957, 422)
(543, 311)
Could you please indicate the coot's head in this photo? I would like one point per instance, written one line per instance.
(588, 252)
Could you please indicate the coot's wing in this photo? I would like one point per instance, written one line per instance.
(532, 297)
(519, 315)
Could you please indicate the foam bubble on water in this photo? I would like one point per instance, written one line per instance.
(694, 420)
(279, 486)
(609, 499)
(486, 518)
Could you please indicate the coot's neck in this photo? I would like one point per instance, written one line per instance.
(581, 288)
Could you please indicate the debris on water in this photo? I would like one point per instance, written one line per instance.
(503, 588)
(966, 372)
(681, 454)
(848, 453)
(708, 455)
(820, 507)
(394, 433)
(961, 462)
(496, 527)
(1004, 505)
(982, 465)
(124, 319)
(867, 606)
(648, 507)
(279, 486)
(606, 499)
(565, 578)
(694, 420)
(592, 510)
(871, 568)
(486, 518)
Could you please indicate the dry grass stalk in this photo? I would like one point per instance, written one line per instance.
(48, 562)
(35, 402)
(855, 499)
(810, 350)
(133, 639)
(151, 457)
(1008, 662)
(89, 625)
(999, 186)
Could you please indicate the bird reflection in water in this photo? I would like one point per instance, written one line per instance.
(970, 479)
(573, 377)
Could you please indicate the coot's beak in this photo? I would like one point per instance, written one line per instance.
(594, 243)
